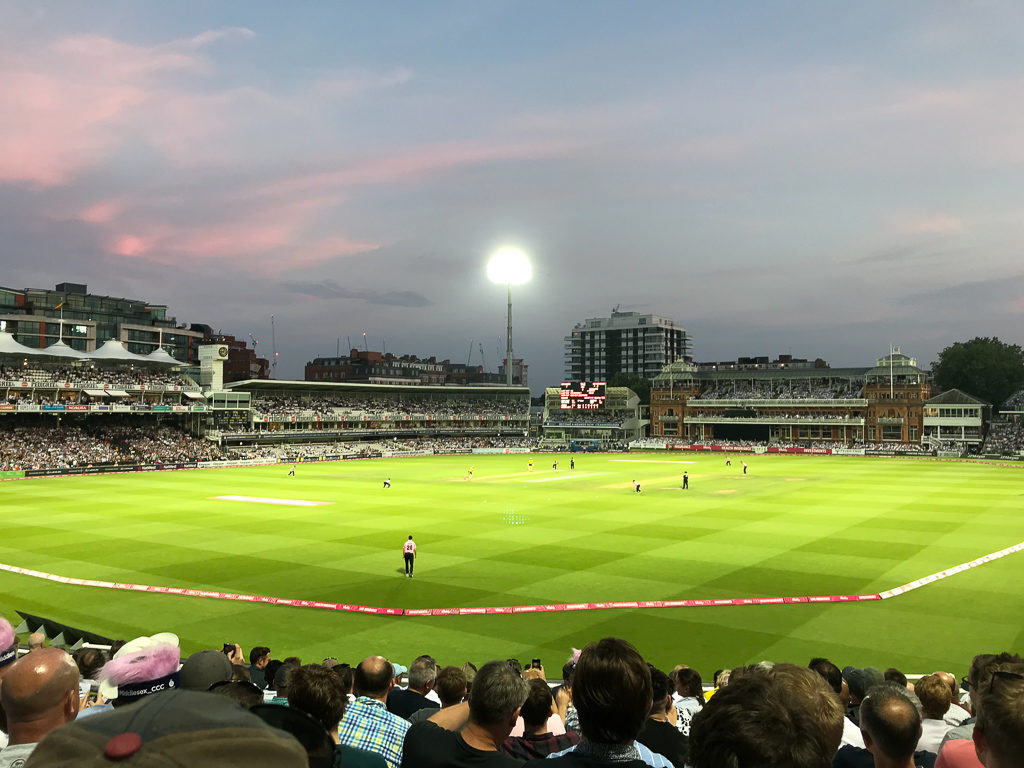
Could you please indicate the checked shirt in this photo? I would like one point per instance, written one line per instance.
(368, 725)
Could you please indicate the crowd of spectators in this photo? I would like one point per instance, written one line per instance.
(399, 408)
(103, 441)
(759, 414)
(375, 447)
(783, 389)
(900, 447)
(570, 417)
(609, 707)
(137, 399)
(127, 440)
(656, 443)
(1014, 402)
(1004, 437)
(92, 376)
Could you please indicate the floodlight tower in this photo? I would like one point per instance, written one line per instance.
(511, 267)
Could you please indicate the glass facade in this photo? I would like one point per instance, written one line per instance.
(34, 318)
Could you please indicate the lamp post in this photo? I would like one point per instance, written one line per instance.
(509, 266)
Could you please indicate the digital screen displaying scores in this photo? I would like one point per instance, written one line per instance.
(582, 395)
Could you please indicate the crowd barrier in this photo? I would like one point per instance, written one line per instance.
(76, 407)
(517, 609)
(486, 610)
(160, 466)
(725, 448)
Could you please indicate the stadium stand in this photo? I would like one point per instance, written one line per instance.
(97, 443)
(1004, 437)
(888, 409)
(55, 416)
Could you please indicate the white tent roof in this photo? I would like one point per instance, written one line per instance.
(160, 355)
(60, 349)
(8, 346)
(114, 350)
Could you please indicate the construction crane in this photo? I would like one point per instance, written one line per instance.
(469, 357)
(254, 340)
(483, 358)
(273, 348)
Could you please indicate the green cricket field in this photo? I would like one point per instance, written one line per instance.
(512, 536)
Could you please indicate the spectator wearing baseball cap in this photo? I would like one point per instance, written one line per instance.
(204, 668)
(176, 727)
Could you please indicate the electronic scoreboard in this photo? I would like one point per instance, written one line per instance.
(583, 395)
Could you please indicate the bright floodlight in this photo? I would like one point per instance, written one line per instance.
(509, 266)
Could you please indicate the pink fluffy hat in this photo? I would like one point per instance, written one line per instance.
(143, 666)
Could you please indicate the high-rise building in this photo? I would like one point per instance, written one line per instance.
(626, 342)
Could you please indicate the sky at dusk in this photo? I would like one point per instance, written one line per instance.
(820, 179)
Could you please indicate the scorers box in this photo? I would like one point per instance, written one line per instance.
(582, 395)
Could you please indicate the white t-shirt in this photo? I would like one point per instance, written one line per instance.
(15, 756)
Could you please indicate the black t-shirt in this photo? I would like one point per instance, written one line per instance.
(428, 745)
(665, 739)
(404, 703)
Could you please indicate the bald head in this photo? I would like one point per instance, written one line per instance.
(36, 641)
(39, 693)
(890, 721)
(374, 677)
(950, 680)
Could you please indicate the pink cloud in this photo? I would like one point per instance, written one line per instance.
(130, 245)
(268, 239)
(102, 212)
(411, 165)
(66, 103)
(320, 251)
(928, 224)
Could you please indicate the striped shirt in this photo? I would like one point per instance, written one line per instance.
(368, 725)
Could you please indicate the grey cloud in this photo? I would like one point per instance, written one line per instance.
(919, 252)
(329, 289)
(971, 294)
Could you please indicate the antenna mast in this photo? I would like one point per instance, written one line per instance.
(273, 348)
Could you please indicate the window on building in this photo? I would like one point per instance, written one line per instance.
(892, 432)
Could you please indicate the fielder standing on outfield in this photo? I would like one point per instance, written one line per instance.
(409, 551)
